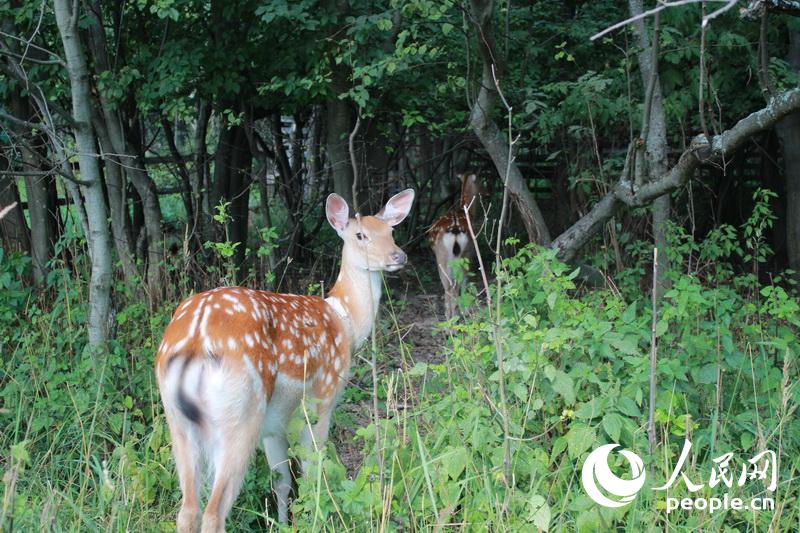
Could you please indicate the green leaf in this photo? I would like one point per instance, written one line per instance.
(612, 424)
(563, 385)
(628, 344)
(580, 438)
(628, 407)
(707, 374)
(591, 409)
(447, 28)
(630, 313)
(419, 369)
(19, 452)
(456, 462)
(539, 512)
(551, 299)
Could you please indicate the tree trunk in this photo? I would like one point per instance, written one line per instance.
(151, 209)
(115, 186)
(134, 162)
(494, 142)
(339, 124)
(656, 143)
(13, 228)
(788, 130)
(96, 212)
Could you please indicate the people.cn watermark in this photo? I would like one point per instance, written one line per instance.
(610, 490)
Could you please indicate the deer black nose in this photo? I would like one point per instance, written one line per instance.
(399, 257)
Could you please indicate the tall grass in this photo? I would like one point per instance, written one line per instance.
(84, 444)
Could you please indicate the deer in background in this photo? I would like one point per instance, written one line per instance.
(234, 364)
(450, 240)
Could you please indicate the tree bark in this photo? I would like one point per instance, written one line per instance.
(701, 151)
(115, 187)
(657, 148)
(67, 15)
(492, 139)
(788, 131)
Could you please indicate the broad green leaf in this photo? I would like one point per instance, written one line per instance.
(612, 424)
(580, 438)
(628, 407)
(539, 512)
(563, 385)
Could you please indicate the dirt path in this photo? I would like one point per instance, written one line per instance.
(418, 310)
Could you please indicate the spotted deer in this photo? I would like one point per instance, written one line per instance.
(234, 364)
(450, 239)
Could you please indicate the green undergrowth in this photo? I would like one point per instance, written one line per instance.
(84, 445)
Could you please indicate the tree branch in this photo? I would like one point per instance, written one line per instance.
(624, 193)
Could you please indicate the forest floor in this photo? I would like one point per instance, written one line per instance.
(413, 315)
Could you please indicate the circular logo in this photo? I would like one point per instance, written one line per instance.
(596, 475)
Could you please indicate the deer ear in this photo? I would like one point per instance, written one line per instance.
(397, 208)
(337, 211)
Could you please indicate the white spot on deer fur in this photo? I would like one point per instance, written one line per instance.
(181, 343)
(328, 379)
(282, 358)
(216, 306)
(337, 363)
(204, 323)
(337, 340)
(249, 340)
(231, 343)
(230, 298)
(287, 343)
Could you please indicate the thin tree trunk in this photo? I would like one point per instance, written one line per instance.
(657, 147)
(494, 142)
(97, 214)
(115, 186)
(199, 181)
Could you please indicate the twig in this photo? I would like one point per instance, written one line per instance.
(351, 144)
(496, 319)
(478, 254)
(7, 209)
(662, 6)
(651, 426)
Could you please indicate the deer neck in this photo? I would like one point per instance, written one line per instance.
(355, 297)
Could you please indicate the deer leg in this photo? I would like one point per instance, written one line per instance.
(279, 412)
(187, 459)
(445, 270)
(314, 436)
(230, 455)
